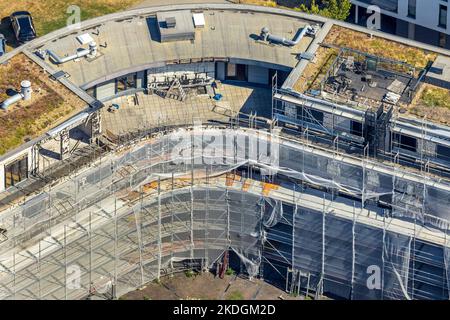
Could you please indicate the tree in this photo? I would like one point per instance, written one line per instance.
(335, 9)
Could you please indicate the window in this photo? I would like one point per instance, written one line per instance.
(356, 128)
(16, 172)
(312, 116)
(236, 72)
(126, 83)
(389, 5)
(443, 152)
(405, 142)
(443, 16)
(412, 9)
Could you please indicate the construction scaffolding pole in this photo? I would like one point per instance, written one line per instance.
(136, 212)
(65, 262)
(116, 253)
(159, 229)
(353, 252)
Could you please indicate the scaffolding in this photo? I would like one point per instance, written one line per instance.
(302, 218)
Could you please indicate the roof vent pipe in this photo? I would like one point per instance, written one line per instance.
(11, 100)
(92, 51)
(25, 89)
(25, 93)
(266, 36)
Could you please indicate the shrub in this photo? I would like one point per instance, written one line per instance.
(229, 272)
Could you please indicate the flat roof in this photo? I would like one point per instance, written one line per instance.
(183, 28)
(133, 43)
(128, 42)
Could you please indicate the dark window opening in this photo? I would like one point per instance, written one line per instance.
(443, 16)
(126, 83)
(16, 172)
(405, 142)
(412, 9)
(389, 5)
(443, 152)
(356, 128)
(312, 116)
(236, 72)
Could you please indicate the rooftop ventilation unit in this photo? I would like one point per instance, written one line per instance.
(25, 94)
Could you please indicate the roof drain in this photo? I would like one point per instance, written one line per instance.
(91, 52)
(266, 36)
(25, 94)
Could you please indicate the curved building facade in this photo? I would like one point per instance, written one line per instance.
(197, 143)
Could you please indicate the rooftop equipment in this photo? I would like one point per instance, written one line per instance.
(199, 20)
(25, 94)
(85, 38)
(267, 36)
(175, 26)
(91, 52)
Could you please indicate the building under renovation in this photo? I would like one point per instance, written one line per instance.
(203, 136)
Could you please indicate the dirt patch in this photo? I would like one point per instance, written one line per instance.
(206, 286)
(51, 103)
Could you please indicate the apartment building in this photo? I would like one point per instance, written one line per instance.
(426, 21)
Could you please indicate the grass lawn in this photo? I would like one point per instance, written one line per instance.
(51, 103)
(265, 3)
(235, 295)
(50, 15)
(436, 97)
(344, 37)
(431, 103)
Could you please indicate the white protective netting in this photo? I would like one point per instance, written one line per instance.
(101, 221)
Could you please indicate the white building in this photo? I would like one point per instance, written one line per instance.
(422, 20)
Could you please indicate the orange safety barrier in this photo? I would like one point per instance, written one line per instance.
(150, 186)
(267, 187)
(246, 185)
(231, 178)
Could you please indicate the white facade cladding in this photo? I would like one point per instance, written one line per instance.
(423, 20)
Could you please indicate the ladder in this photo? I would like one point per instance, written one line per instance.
(176, 85)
